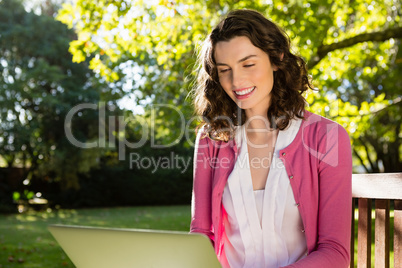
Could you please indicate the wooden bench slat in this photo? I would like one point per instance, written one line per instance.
(352, 234)
(352, 241)
(364, 237)
(382, 207)
(398, 233)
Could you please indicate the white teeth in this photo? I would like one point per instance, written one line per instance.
(245, 91)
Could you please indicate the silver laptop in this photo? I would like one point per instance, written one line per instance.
(95, 247)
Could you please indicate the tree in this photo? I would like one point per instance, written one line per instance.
(352, 49)
(39, 84)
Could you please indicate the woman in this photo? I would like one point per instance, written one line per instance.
(272, 181)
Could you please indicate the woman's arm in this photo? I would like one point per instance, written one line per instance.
(335, 202)
(201, 221)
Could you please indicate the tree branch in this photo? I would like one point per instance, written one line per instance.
(394, 150)
(373, 167)
(378, 36)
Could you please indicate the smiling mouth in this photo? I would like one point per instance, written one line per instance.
(244, 91)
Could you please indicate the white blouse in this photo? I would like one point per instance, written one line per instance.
(263, 227)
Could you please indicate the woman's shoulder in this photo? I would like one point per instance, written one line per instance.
(203, 137)
(314, 120)
(213, 146)
(322, 126)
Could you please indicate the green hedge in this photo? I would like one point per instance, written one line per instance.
(120, 184)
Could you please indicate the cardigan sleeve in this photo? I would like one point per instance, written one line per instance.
(335, 202)
(201, 219)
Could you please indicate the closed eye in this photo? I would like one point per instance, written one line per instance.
(224, 70)
(249, 65)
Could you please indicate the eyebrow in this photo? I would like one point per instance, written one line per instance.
(239, 61)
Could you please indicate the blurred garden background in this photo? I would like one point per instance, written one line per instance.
(95, 110)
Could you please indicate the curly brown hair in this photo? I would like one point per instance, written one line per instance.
(219, 112)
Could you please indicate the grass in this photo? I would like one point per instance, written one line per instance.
(26, 242)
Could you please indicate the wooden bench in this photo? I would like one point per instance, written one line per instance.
(382, 189)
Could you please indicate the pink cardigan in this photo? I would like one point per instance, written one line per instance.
(319, 166)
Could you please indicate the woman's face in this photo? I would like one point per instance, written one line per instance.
(245, 73)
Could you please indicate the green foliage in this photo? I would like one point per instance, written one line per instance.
(25, 196)
(351, 48)
(146, 177)
(39, 85)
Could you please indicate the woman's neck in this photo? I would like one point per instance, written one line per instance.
(257, 119)
(258, 125)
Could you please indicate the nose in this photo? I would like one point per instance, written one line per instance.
(237, 79)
